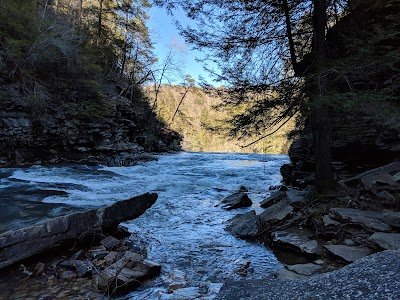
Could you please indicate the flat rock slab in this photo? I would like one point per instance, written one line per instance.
(297, 198)
(276, 212)
(382, 179)
(370, 219)
(374, 277)
(236, 200)
(16, 245)
(328, 221)
(349, 253)
(306, 269)
(273, 199)
(392, 218)
(244, 225)
(389, 241)
(294, 197)
(295, 239)
(392, 168)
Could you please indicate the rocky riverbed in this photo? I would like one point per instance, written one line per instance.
(313, 233)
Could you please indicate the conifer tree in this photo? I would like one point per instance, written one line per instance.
(272, 56)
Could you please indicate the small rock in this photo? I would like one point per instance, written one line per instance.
(319, 262)
(276, 212)
(297, 198)
(24, 270)
(98, 252)
(389, 241)
(110, 258)
(68, 275)
(109, 242)
(126, 274)
(244, 225)
(283, 273)
(83, 268)
(306, 269)
(176, 280)
(296, 239)
(78, 255)
(349, 253)
(236, 200)
(243, 189)
(328, 221)
(392, 218)
(39, 269)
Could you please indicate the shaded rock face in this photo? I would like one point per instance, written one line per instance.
(358, 143)
(368, 135)
(54, 136)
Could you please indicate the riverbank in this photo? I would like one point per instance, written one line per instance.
(374, 277)
(312, 233)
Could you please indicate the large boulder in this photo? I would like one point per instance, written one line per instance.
(19, 244)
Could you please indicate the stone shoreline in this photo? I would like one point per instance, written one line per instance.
(313, 234)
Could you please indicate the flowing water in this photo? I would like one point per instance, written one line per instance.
(183, 230)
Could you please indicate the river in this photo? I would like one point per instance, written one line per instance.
(184, 230)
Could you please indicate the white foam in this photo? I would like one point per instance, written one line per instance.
(183, 229)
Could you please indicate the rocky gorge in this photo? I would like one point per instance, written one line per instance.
(51, 134)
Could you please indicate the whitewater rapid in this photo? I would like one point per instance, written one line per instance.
(183, 230)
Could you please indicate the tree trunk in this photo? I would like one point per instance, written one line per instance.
(290, 35)
(100, 18)
(320, 111)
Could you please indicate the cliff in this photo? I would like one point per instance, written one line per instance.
(64, 93)
(54, 135)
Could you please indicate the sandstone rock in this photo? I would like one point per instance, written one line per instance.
(370, 219)
(349, 253)
(388, 241)
(328, 221)
(236, 200)
(295, 239)
(392, 218)
(83, 268)
(276, 212)
(378, 180)
(109, 242)
(273, 199)
(16, 245)
(110, 258)
(297, 198)
(68, 275)
(244, 225)
(39, 269)
(369, 177)
(306, 269)
(126, 274)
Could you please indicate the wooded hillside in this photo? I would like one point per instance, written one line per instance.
(204, 126)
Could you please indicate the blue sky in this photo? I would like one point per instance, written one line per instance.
(163, 31)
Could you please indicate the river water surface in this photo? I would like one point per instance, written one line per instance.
(183, 230)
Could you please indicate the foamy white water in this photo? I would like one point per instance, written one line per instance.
(184, 231)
